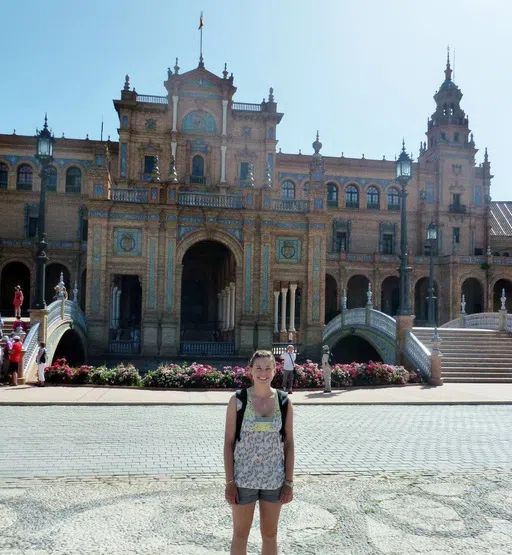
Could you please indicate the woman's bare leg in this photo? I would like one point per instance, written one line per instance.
(269, 519)
(242, 522)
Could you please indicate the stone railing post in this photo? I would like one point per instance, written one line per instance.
(402, 323)
(369, 304)
(435, 360)
(502, 314)
(463, 310)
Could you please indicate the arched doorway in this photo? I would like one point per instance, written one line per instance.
(331, 298)
(71, 348)
(357, 288)
(497, 291)
(52, 278)
(208, 312)
(125, 314)
(390, 295)
(421, 302)
(14, 273)
(353, 348)
(473, 295)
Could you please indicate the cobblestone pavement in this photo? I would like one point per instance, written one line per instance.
(390, 514)
(187, 441)
(373, 480)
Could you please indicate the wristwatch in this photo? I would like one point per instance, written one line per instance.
(288, 483)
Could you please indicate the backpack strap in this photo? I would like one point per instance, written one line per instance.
(283, 406)
(242, 397)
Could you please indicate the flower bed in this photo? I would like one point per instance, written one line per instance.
(204, 376)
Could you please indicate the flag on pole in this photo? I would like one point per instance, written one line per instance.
(201, 21)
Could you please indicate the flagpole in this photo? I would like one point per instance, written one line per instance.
(201, 63)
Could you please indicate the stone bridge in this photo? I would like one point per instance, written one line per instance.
(62, 321)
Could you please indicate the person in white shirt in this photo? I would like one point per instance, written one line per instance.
(289, 366)
(326, 367)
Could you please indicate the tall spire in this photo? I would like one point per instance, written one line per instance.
(201, 25)
(448, 71)
(176, 67)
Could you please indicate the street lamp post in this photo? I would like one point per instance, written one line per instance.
(403, 175)
(44, 153)
(432, 241)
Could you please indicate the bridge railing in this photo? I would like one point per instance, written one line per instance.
(30, 348)
(482, 320)
(383, 322)
(418, 354)
(362, 317)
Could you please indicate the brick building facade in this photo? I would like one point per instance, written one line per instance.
(193, 229)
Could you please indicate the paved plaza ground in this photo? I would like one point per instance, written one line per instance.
(389, 479)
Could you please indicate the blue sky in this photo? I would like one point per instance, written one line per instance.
(362, 72)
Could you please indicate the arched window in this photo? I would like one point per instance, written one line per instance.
(25, 176)
(287, 190)
(197, 170)
(393, 199)
(73, 180)
(306, 189)
(352, 197)
(51, 179)
(332, 195)
(372, 198)
(4, 175)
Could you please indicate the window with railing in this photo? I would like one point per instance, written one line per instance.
(4, 175)
(73, 180)
(305, 187)
(149, 164)
(393, 199)
(340, 241)
(352, 197)
(332, 195)
(25, 178)
(197, 176)
(372, 198)
(51, 179)
(288, 190)
(32, 227)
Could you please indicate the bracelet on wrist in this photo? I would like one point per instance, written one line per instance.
(288, 483)
(230, 482)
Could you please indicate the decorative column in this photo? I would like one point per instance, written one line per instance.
(174, 145)
(219, 310)
(228, 307)
(502, 315)
(435, 360)
(232, 306)
(276, 311)
(113, 307)
(224, 304)
(224, 117)
(175, 112)
(223, 150)
(293, 288)
(118, 307)
(284, 293)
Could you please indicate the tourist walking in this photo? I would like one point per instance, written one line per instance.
(14, 360)
(19, 325)
(42, 359)
(258, 455)
(18, 300)
(288, 368)
(326, 368)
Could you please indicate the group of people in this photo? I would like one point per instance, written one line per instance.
(259, 452)
(288, 359)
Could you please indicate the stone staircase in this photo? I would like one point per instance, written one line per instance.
(9, 322)
(472, 355)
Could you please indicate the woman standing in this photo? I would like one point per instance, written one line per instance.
(258, 455)
(17, 301)
(42, 358)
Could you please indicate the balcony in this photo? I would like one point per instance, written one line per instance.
(394, 207)
(373, 206)
(24, 186)
(246, 107)
(352, 204)
(457, 208)
(291, 205)
(151, 99)
(210, 200)
(130, 195)
(197, 180)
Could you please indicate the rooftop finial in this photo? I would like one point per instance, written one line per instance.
(176, 67)
(317, 145)
(486, 155)
(126, 83)
(225, 72)
(448, 70)
(45, 120)
(403, 144)
(271, 94)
